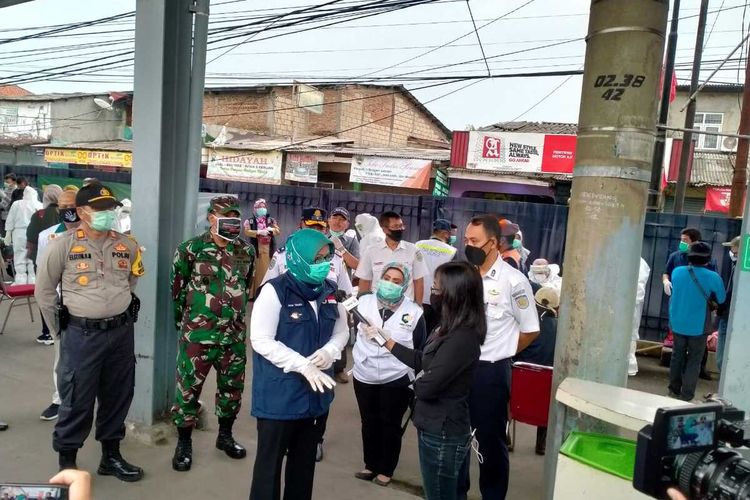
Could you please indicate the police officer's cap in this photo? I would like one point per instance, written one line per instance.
(224, 204)
(314, 216)
(96, 196)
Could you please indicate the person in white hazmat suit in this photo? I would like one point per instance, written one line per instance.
(643, 274)
(369, 231)
(543, 273)
(18, 220)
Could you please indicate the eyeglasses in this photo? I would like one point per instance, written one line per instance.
(323, 258)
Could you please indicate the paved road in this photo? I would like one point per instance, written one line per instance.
(26, 454)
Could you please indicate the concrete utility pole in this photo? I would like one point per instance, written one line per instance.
(165, 177)
(739, 180)
(616, 131)
(666, 91)
(687, 137)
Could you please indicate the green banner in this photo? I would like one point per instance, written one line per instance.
(120, 190)
(442, 183)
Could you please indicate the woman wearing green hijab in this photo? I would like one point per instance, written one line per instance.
(297, 330)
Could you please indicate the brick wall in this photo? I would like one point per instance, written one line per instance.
(377, 117)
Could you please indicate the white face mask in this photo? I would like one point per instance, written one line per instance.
(732, 255)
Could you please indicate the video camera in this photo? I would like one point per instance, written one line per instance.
(688, 447)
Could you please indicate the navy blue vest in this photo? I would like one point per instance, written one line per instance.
(288, 396)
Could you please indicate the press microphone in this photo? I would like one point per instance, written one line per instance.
(350, 303)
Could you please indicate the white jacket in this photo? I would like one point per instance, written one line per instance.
(370, 232)
(21, 212)
(374, 364)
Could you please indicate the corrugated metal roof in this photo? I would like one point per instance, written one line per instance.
(13, 91)
(550, 176)
(714, 87)
(533, 127)
(712, 169)
(53, 97)
(95, 145)
(411, 153)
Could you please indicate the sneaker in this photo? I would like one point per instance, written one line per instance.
(45, 339)
(50, 413)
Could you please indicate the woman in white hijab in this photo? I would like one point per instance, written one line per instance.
(15, 234)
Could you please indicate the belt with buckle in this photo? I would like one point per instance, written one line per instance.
(100, 324)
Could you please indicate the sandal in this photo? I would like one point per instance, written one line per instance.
(365, 475)
(380, 482)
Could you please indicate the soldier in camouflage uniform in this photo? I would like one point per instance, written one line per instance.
(212, 277)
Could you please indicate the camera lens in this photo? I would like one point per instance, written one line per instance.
(716, 475)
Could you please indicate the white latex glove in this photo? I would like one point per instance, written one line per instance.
(337, 243)
(321, 359)
(8, 238)
(668, 287)
(372, 332)
(318, 380)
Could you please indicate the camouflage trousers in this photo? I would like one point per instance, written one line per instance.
(194, 361)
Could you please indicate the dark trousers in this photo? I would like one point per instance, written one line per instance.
(382, 408)
(488, 406)
(321, 423)
(296, 438)
(45, 328)
(441, 460)
(95, 365)
(685, 365)
(340, 364)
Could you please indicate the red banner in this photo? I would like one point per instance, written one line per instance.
(717, 199)
(559, 153)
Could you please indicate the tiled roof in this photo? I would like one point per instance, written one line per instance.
(533, 127)
(13, 91)
(712, 169)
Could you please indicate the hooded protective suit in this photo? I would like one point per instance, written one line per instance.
(369, 231)
(15, 233)
(122, 219)
(537, 274)
(643, 273)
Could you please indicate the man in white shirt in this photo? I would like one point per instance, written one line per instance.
(512, 324)
(393, 249)
(312, 218)
(436, 251)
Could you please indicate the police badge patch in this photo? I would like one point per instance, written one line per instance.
(522, 301)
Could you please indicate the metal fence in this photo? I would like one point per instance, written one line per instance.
(544, 226)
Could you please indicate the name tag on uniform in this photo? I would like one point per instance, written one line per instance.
(79, 256)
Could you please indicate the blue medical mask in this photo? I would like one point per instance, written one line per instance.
(452, 240)
(389, 292)
(102, 221)
(337, 234)
(517, 244)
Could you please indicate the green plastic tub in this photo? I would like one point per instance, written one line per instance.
(607, 453)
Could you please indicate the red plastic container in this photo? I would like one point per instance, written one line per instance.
(530, 390)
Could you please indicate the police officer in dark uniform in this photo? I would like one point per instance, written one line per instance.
(96, 269)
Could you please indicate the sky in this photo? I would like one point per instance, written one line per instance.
(373, 47)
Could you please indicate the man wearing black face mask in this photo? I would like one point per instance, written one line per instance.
(512, 324)
(68, 219)
(212, 279)
(393, 249)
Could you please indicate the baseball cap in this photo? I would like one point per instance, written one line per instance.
(224, 204)
(443, 225)
(340, 211)
(507, 228)
(734, 242)
(314, 216)
(96, 196)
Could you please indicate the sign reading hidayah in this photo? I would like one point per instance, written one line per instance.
(383, 171)
(86, 157)
(516, 152)
(261, 167)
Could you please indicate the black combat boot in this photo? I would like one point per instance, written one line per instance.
(67, 459)
(183, 453)
(112, 464)
(226, 442)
